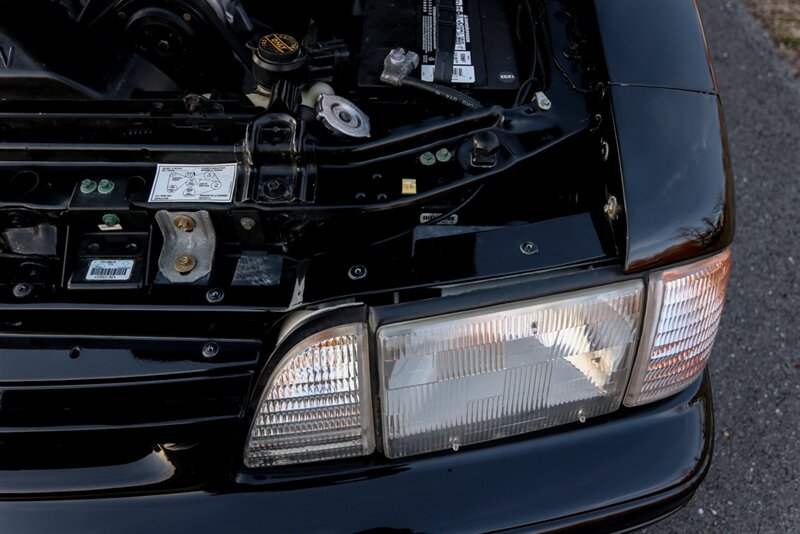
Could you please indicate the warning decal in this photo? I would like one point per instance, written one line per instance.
(194, 183)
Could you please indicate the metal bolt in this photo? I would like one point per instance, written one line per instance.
(443, 155)
(187, 17)
(184, 264)
(210, 350)
(611, 208)
(184, 223)
(163, 45)
(88, 186)
(543, 102)
(110, 220)
(105, 187)
(581, 415)
(605, 150)
(132, 248)
(357, 272)
(214, 296)
(248, 223)
(22, 290)
(427, 159)
(529, 248)
(93, 248)
(397, 55)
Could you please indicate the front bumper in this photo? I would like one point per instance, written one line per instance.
(614, 473)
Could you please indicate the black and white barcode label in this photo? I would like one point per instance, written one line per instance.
(426, 218)
(110, 270)
(461, 74)
(463, 69)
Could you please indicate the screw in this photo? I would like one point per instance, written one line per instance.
(210, 350)
(132, 248)
(105, 187)
(184, 223)
(605, 150)
(248, 223)
(581, 415)
(22, 290)
(529, 248)
(110, 220)
(357, 272)
(163, 45)
(187, 17)
(88, 186)
(214, 296)
(184, 264)
(427, 159)
(611, 208)
(443, 155)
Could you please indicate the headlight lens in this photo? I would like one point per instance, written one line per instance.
(683, 313)
(471, 377)
(316, 405)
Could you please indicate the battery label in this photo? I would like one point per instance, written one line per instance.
(463, 70)
(110, 270)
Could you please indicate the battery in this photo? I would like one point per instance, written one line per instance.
(480, 54)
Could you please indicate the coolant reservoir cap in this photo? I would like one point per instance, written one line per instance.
(278, 48)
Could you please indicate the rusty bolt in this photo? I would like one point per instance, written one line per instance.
(184, 223)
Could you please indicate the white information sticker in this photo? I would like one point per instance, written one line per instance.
(110, 270)
(194, 183)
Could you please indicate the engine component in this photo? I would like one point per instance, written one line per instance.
(278, 56)
(482, 55)
(342, 116)
(397, 65)
(189, 244)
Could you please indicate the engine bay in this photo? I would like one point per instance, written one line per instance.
(220, 146)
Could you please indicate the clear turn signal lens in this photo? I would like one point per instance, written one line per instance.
(684, 308)
(316, 405)
(475, 376)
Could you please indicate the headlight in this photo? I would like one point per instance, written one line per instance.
(316, 405)
(684, 307)
(475, 376)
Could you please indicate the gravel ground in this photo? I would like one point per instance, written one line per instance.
(754, 482)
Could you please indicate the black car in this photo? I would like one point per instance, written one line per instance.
(420, 265)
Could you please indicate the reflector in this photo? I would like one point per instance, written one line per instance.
(475, 376)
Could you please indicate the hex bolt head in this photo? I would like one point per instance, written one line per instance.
(184, 223)
(248, 223)
(210, 350)
(427, 159)
(22, 290)
(357, 272)
(88, 186)
(110, 220)
(214, 296)
(529, 248)
(185, 263)
(105, 187)
(443, 155)
(611, 208)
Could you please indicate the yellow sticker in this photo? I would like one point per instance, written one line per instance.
(409, 186)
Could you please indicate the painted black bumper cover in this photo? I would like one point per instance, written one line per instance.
(607, 475)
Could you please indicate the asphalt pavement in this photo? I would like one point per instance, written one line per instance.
(754, 482)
